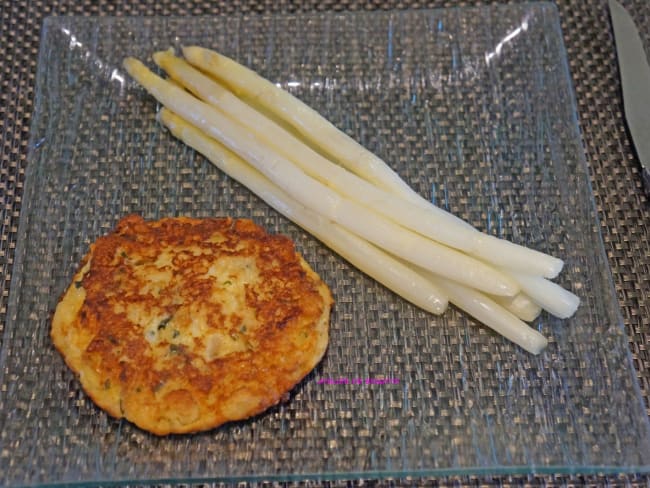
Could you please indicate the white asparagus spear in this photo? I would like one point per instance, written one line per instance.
(550, 296)
(430, 222)
(398, 276)
(493, 315)
(313, 194)
(377, 264)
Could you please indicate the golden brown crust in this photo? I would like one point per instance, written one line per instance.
(180, 325)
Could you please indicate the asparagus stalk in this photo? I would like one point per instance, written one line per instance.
(550, 296)
(494, 316)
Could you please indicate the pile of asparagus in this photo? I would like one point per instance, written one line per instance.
(324, 181)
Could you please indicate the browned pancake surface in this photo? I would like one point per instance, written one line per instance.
(180, 325)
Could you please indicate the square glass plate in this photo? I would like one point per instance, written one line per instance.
(474, 108)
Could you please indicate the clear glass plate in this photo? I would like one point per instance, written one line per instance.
(475, 109)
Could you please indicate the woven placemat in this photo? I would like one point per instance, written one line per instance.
(623, 209)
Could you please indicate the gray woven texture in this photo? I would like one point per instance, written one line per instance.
(622, 207)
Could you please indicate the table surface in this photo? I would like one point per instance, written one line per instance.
(623, 209)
